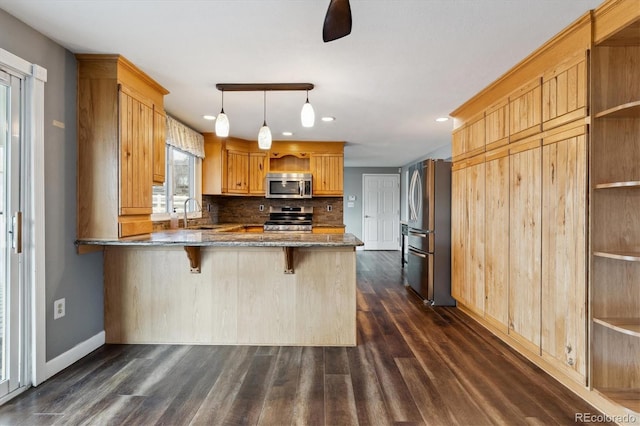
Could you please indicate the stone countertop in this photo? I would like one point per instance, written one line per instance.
(223, 237)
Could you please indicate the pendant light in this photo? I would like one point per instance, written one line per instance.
(307, 115)
(264, 135)
(222, 122)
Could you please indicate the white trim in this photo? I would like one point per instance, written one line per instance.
(74, 354)
(35, 77)
(13, 394)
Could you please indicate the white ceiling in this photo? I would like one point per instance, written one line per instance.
(405, 63)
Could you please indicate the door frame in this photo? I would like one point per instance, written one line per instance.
(397, 198)
(34, 77)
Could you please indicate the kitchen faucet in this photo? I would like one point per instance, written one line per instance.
(186, 202)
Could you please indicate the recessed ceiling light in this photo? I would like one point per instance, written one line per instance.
(328, 118)
(287, 133)
(442, 119)
(209, 117)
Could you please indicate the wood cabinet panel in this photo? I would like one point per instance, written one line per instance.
(564, 242)
(159, 145)
(525, 111)
(459, 227)
(136, 145)
(497, 125)
(496, 282)
(258, 168)
(237, 172)
(564, 93)
(328, 174)
(525, 207)
(468, 236)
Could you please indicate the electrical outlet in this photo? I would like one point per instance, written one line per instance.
(261, 207)
(329, 207)
(58, 308)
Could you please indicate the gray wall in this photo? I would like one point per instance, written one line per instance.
(79, 279)
(353, 186)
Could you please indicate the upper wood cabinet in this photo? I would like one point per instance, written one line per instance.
(470, 139)
(237, 172)
(564, 92)
(525, 111)
(258, 168)
(236, 166)
(328, 174)
(497, 125)
(117, 104)
(159, 145)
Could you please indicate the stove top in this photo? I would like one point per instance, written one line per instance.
(289, 219)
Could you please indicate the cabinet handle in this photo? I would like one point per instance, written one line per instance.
(260, 166)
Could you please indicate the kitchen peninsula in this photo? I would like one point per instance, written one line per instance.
(193, 286)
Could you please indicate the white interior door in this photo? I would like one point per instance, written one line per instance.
(11, 315)
(381, 212)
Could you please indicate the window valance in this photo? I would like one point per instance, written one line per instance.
(184, 138)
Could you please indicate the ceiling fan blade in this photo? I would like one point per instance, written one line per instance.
(337, 23)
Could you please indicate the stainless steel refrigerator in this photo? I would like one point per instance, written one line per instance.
(429, 263)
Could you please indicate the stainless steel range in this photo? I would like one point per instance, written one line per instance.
(289, 219)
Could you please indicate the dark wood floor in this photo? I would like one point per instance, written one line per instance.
(413, 365)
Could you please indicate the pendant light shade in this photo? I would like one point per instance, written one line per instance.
(264, 135)
(307, 115)
(222, 122)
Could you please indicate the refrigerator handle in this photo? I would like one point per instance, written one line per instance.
(419, 234)
(417, 253)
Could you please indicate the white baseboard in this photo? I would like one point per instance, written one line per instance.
(80, 350)
(358, 248)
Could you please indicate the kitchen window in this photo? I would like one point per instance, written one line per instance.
(183, 174)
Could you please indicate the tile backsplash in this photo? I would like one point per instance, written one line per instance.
(230, 209)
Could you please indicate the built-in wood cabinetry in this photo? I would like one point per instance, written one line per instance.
(119, 115)
(328, 173)
(615, 207)
(559, 227)
(233, 166)
(237, 167)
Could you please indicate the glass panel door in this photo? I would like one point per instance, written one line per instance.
(10, 224)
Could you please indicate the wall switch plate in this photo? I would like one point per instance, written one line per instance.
(58, 308)
(261, 207)
(329, 207)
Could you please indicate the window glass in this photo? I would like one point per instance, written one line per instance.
(179, 183)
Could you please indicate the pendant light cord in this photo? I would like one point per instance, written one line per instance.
(264, 109)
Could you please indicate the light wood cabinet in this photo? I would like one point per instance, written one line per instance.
(258, 168)
(570, 234)
(497, 125)
(496, 278)
(615, 221)
(328, 174)
(159, 145)
(468, 236)
(136, 146)
(470, 139)
(525, 210)
(564, 246)
(116, 104)
(564, 92)
(525, 111)
(237, 172)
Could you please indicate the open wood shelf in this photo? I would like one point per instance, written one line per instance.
(629, 326)
(626, 184)
(628, 110)
(628, 398)
(629, 256)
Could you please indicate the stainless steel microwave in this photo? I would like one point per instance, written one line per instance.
(288, 185)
